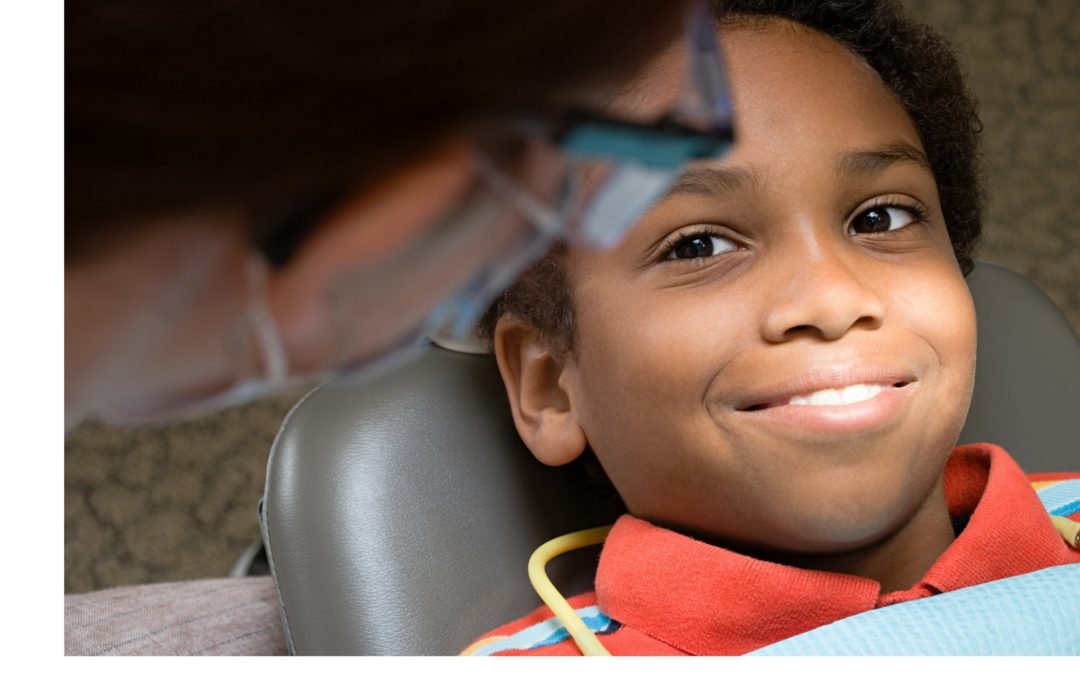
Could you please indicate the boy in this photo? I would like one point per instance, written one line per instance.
(774, 366)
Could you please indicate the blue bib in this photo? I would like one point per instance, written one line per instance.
(1027, 615)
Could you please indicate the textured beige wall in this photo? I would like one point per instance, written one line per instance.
(179, 502)
(176, 502)
(1023, 62)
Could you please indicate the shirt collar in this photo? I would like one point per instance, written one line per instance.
(1009, 532)
(704, 599)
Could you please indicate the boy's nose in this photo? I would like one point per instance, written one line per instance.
(820, 292)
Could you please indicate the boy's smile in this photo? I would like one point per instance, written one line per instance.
(837, 399)
(780, 356)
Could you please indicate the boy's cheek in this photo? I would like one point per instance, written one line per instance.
(942, 311)
(959, 332)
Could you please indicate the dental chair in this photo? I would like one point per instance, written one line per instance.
(400, 511)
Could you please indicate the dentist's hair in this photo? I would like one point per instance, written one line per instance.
(245, 106)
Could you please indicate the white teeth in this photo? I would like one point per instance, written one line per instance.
(846, 396)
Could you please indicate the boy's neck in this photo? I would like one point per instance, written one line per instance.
(901, 560)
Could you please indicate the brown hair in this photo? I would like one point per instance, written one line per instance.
(914, 62)
(251, 105)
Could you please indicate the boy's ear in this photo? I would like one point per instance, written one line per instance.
(536, 378)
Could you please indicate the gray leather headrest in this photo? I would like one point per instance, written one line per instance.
(399, 514)
(1027, 378)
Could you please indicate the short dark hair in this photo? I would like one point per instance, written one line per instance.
(911, 58)
(250, 106)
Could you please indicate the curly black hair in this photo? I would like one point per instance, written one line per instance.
(912, 59)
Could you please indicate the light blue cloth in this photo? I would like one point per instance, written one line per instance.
(1029, 615)
(1061, 499)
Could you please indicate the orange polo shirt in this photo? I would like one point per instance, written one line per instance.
(662, 593)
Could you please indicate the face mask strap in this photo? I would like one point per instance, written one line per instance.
(546, 220)
(273, 358)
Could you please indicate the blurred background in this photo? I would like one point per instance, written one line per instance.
(178, 502)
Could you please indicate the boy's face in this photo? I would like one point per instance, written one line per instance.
(812, 258)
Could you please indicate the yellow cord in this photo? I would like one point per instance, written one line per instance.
(586, 641)
(1068, 529)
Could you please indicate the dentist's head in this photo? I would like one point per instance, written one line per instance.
(262, 191)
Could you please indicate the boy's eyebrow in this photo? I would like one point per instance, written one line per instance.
(876, 160)
(713, 180)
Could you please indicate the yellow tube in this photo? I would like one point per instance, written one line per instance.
(1068, 529)
(586, 641)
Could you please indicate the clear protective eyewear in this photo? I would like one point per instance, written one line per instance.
(609, 173)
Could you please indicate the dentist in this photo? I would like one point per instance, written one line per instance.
(265, 193)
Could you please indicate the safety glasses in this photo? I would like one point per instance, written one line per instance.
(588, 178)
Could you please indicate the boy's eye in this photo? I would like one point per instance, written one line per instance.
(881, 219)
(702, 245)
